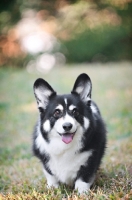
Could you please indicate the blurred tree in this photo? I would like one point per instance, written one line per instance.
(89, 30)
(97, 31)
(11, 10)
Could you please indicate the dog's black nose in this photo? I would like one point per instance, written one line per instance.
(67, 126)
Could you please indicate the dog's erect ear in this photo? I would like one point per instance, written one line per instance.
(83, 87)
(42, 91)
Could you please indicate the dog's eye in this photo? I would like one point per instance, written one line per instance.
(57, 113)
(75, 112)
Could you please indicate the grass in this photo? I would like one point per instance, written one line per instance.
(21, 176)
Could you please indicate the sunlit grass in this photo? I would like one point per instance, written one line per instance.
(21, 175)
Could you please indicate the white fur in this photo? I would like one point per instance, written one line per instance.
(71, 107)
(65, 101)
(51, 180)
(47, 126)
(84, 91)
(42, 94)
(82, 187)
(86, 123)
(58, 147)
(60, 107)
(59, 124)
(94, 109)
(65, 166)
(79, 89)
(40, 142)
(65, 159)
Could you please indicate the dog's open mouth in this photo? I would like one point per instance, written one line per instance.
(67, 137)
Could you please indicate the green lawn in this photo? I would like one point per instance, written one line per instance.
(21, 175)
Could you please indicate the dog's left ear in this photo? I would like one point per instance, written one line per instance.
(83, 87)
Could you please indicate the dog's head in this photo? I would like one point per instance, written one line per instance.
(62, 116)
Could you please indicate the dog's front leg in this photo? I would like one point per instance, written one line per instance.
(81, 186)
(51, 180)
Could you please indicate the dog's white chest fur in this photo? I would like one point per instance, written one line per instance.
(65, 159)
(66, 165)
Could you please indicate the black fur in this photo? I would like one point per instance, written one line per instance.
(94, 138)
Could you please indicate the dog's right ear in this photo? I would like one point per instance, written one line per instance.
(42, 91)
(83, 87)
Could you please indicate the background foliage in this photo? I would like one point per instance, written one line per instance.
(89, 30)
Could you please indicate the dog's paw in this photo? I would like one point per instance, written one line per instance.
(52, 184)
(82, 187)
(51, 180)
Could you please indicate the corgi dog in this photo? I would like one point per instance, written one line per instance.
(70, 135)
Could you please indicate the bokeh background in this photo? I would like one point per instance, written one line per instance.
(40, 34)
(57, 40)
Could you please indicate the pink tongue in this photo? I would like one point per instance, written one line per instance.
(67, 138)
